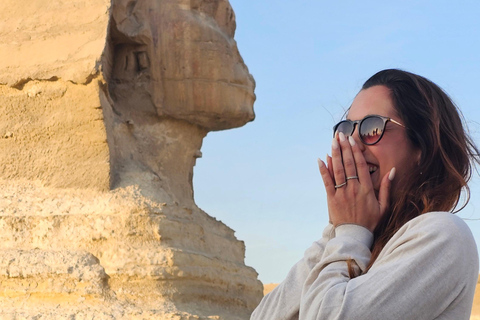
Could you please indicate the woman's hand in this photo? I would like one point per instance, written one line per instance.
(353, 199)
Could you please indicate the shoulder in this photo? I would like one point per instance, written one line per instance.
(440, 234)
(435, 253)
(440, 225)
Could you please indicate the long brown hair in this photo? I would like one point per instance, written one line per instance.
(434, 126)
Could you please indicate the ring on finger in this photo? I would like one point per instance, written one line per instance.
(352, 177)
(340, 185)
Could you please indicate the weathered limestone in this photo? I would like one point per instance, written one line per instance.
(53, 131)
(105, 107)
(118, 250)
(51, 114)
(50, 40)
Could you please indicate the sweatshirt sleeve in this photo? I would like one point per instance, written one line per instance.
(427, 270)
(284, 301)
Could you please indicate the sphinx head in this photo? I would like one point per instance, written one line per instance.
(174, 73)
(178, 59)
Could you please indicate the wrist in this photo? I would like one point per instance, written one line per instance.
(355, 231)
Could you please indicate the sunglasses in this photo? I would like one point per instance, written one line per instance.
(370, 129)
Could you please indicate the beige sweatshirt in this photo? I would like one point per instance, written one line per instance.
(428, 270)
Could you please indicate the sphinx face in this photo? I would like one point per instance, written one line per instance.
(203, 76)
(182, 53)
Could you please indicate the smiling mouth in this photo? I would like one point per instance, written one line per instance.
(372, 169)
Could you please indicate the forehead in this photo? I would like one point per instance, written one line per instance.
(374, 100)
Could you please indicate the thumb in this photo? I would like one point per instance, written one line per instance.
(384, 192)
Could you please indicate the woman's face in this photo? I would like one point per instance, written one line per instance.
(394, 149)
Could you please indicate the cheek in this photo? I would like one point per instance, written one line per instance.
(386, 155)
(392, 156)
(404, 161)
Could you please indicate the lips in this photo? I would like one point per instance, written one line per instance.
(372, 169)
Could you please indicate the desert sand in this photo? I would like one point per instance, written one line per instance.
(476, 303)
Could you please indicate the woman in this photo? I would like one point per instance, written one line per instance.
(392, 250)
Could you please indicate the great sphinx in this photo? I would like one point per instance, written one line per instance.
(105, 108)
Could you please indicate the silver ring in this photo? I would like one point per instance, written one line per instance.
(340, 185)
(352, 177)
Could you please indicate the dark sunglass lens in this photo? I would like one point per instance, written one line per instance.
(371, 130)
(345, 127)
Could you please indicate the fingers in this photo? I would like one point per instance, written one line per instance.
(384, 192)
(361, 165)
(337, 164)
(326, 177)
(347, 156)
(330, 165)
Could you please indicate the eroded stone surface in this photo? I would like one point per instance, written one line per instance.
(44, 40)
(57, 135)
(119, 251)
(105, 106)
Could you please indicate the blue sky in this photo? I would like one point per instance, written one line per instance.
(309, 59)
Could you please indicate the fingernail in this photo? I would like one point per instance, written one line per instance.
(320, 163)
(334, 143)
(351, 140)
(392, 174)
(341, 136)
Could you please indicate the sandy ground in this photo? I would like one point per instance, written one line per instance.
(475, 309)
(476, 303)
(269, 287)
